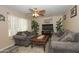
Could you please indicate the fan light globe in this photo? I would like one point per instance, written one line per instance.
(35, 15)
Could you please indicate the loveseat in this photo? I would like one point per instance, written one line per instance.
(23, 38)
(67, 43)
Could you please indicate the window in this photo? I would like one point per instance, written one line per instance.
(22, 26)
(16, 24)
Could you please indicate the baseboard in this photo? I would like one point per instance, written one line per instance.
(6, 47)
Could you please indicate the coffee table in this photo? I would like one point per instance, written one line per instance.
(40, 40)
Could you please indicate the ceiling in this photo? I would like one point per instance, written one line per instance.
(51, 10)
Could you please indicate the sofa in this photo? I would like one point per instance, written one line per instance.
(67, 43)
(23, 38)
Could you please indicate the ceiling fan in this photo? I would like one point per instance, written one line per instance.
(37, 12)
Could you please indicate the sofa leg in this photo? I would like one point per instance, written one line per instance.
(44, 48)
(31, 45)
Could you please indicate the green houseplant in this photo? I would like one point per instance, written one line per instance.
(59, 27)
(35, 27)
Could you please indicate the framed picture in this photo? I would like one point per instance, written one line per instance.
(64, 17)
(2, 18)
(73, 11)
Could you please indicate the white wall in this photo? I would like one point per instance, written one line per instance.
(4, 39)
(29, 18)
(72, 23)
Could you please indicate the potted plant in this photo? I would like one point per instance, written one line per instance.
(35, 27)
(59, 27)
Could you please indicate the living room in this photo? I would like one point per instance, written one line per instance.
(22, 17)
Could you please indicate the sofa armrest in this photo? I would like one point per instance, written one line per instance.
(65, 45)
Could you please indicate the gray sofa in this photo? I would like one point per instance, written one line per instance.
(67, 43)
(23, 38)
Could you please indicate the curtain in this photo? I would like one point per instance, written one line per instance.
(16, 24)
(22, 26)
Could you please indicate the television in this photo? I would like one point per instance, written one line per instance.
(47, 28)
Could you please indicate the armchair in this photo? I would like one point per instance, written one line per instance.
(23, 38)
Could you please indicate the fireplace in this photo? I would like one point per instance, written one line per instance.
(47, 29)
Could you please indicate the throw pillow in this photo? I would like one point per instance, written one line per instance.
(19, 33)
(68, 37)
(23, 34)
(40, 37)
(62, 36)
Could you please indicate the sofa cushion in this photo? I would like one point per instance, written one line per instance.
(65, 46)
(68, 38)
(76, 37)
(66, 32)
(26, 32)
(62, 36)
(19, 37)
(54, 38)
(19, 33)
(23, 34)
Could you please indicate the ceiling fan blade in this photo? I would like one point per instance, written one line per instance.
(33, 10)
(42, 12)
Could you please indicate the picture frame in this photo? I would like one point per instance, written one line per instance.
(73, 11)
(2, 17)
(64, 17)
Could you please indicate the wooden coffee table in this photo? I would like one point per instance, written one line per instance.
(40, 41)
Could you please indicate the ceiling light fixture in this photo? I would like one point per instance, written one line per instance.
(35, 14)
